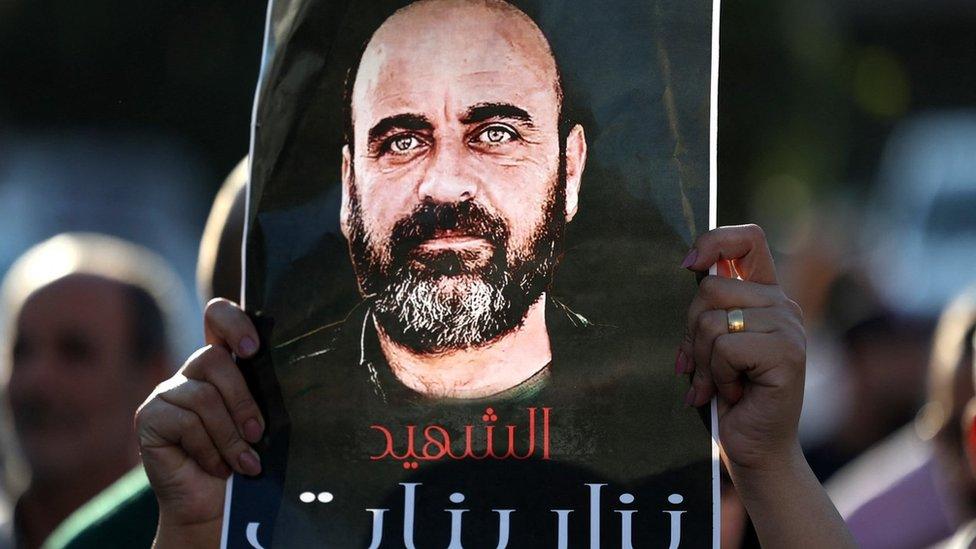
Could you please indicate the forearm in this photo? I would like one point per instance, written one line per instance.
(788, 506)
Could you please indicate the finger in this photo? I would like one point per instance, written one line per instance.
(204, 400)
(198, 444)
(770, 360)
(169, 434)
(715, 323)
(712, 325)
(225, 324)
(745, 245)
(702, 387)
(216, 366)
(716, 292)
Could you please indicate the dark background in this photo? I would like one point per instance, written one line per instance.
(809, 88)
(125, 116)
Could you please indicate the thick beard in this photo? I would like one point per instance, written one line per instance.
(448, 301)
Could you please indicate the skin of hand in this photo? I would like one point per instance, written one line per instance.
(757, 374)
(198, 426)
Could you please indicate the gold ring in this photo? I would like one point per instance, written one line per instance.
(737, 322)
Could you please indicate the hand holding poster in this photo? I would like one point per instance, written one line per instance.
(465, 226)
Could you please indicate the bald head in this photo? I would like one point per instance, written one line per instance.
(445, 41)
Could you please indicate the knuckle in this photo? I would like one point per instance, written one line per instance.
(795, 309)
(795, 353)
(230, 440)
(789, 314)
(215, 307)
(194, 360)
(721, 347)
(221, 312)
(243, 404)
(207, 358)
(206, 394)
(709, 287)
(217, 354)
(755, 232)
(187, 420)
(213, 460)
(144, 416)
(705, 326)
(714, 323)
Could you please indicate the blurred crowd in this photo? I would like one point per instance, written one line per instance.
(853, 145)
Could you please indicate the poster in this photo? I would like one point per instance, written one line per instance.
(465, 226)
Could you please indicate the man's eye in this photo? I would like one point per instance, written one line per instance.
(496, 135)
(404, 144)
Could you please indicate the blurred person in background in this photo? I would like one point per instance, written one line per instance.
(85, 337)
(900, 272)
(914, 488)
(125, 515)
(882, 356)
(219, 258)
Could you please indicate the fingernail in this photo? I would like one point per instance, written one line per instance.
(247, 346)
(680, 363)
(690, 258)
(249, 462)
(252, 430)
(690, 397)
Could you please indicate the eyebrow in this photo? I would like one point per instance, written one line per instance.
(407, 121)
(487, 111)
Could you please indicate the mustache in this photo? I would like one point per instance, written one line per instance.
(431, 220)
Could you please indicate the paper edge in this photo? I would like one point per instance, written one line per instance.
(713, 223)
(229, 491)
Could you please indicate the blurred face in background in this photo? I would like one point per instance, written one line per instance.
(74, 384)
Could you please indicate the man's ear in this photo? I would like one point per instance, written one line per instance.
(346, 190)
(575, 163)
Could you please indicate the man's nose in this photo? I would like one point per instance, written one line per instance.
(446, 179)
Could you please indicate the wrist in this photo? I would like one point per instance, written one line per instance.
(173, 534)
(782, 464)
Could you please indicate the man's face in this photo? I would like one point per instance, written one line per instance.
(73, 385)
(455, 195)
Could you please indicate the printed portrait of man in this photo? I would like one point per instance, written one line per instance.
(462, 159)
(460, 172)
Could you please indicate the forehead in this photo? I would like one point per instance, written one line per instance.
(84, 302)
(468, 52)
